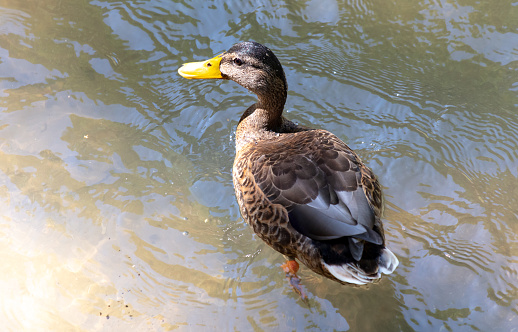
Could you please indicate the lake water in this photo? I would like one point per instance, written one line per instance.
(117, 210)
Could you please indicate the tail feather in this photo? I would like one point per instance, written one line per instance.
(353, 274)
(387, 261)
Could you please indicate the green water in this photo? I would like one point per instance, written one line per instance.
(117, 210)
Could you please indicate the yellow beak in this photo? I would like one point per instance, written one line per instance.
(202, 69)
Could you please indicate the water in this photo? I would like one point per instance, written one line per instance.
(117, 209)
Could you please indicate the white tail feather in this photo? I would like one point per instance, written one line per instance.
(387, 262)
(351, 273)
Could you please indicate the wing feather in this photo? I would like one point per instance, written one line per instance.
(327, 190)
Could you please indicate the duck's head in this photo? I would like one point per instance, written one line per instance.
(250, 64)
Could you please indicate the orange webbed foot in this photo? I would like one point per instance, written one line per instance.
(290, 268)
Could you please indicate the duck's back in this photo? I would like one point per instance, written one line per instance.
(308, 194)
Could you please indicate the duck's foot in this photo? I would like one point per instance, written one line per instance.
(290, 268)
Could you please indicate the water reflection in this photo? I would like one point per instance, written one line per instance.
(117, 207)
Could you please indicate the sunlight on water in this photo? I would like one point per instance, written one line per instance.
(117, 207)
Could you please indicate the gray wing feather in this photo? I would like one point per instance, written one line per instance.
(350, 216)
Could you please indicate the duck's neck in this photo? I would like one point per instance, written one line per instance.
(261, 120)
(268, 111)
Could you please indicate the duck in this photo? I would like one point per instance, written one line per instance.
(303, 191)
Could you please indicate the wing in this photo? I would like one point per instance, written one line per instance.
(326, 189)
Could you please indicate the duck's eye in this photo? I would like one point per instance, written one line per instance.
(238, 61)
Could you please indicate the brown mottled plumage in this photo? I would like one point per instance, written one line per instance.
(303, 191)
